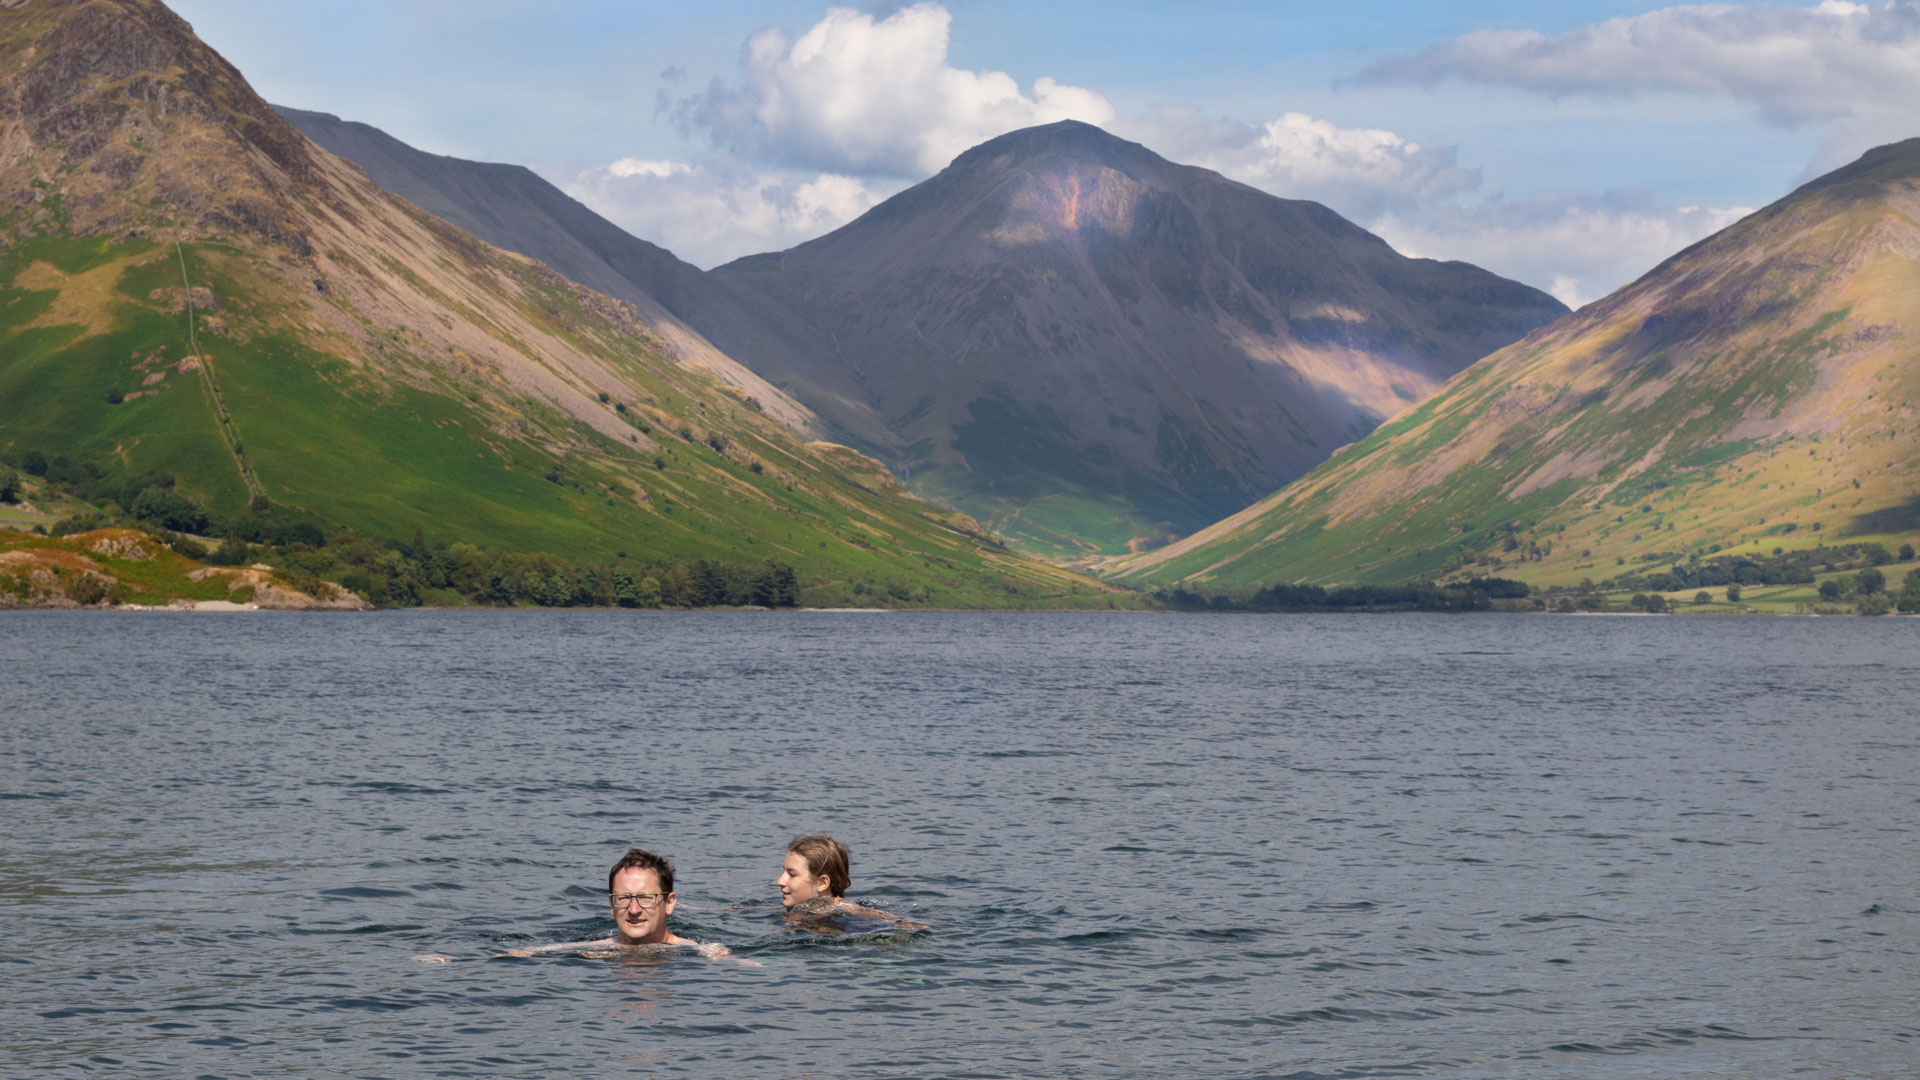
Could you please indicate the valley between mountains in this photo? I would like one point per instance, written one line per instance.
(274, 335)
(1754, 395)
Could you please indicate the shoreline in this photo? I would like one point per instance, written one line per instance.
(229, 607)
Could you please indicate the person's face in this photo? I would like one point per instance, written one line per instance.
(798, 882)
(642, 920)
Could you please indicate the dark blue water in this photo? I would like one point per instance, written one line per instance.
(1228, 846)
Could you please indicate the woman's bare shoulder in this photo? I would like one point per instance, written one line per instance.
(839, 908)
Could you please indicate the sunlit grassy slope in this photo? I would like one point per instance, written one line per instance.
(454, 453)
(1758, 390)
(274, 325)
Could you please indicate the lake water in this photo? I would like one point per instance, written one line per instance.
(1225, 846)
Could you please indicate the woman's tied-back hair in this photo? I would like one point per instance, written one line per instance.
(827, 856)
(635, 859)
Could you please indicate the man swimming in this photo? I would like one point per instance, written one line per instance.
(640, 894)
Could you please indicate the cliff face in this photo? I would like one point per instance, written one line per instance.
(1758, 390)
(1063, 328)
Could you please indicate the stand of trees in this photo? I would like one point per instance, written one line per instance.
(388, 572)
(399, 576)
(1779, 568)
(1475, 594)
(1908, 599)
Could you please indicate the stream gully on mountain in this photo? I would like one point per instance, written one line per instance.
(1236, 846)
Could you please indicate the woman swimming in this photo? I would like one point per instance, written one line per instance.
(813, 884)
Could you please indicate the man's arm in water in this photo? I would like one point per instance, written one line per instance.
(711, 951)
(563, 946)
(442, 958)
(602, 945)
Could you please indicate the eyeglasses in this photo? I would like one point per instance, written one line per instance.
(647, 900)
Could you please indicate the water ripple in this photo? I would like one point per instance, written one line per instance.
(1231, 846)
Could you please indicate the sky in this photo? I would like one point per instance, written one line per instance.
(1572, 146)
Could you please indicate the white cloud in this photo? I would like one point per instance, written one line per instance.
(1360, 172)
(641, 167)
(711, 213)
(1852, 67)
(1578, 247)
(860, 95)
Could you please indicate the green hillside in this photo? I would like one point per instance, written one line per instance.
(1753, 397)
(195, 293)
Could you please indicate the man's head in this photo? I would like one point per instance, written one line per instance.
(640, 891)
(814, 865)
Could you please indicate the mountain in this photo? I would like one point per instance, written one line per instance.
(704, 321)
(1063, 333)
(1086, 345)
(193, 292)
(1755, 393)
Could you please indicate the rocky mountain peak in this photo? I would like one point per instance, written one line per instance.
(1894, 162)
(1060, 310)
(1065, 143)
(119, 106)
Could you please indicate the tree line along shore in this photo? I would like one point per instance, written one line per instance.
(269, 555)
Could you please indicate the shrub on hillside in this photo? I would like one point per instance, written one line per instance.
(372, 587)
(275, 526)
(160, 506)
(79, 523)
(232, 551)
(86, 590)
(183, 545)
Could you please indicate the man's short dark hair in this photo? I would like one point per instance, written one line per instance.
(636, 859)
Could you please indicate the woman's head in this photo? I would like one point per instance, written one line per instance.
(815, 866)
